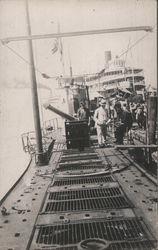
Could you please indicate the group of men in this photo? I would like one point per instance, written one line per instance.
(122, 124)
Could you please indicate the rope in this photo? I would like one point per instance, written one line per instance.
(127, 50)
(21, 57)
(133, 45)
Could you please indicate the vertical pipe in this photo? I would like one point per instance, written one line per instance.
(34, 94)
(152, 117)
(151, 122)
(87, 92)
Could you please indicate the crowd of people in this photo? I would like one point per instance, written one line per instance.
(122, 115)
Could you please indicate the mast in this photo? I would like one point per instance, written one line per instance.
(40, 153)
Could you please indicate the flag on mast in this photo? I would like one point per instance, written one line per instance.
(58, 46)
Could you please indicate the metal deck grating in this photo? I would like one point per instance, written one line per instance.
(85, 193)
(80, 167)
(141, 245)
(144, 245)
(87, 204)
(72, 158)
(80, 162)
(83, 180)
(117, 234)
(76, 151)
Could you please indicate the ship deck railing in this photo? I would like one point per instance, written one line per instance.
(49, 133)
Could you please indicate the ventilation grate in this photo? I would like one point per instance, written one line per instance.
(85, 193)
(141, 245)
(81, 162)
(116, 234)
(87, 204)
(76, 151)
(83, 180)
(78, 157)
(80, 167)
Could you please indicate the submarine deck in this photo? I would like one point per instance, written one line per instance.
(92, 199)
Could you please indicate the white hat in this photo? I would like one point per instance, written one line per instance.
(103, 102)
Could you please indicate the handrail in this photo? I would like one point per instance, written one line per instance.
(28, 138)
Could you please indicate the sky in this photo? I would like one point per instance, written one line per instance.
(85, 53)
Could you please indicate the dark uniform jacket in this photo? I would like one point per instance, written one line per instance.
(125, 118)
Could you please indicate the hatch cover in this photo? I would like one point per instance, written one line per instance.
(87, 204)
(77, 157)
(80, 166)
(76, 151)
(83, 180)
(88, 161)
(101, 234)
(85, 193)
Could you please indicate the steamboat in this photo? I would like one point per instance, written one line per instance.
(116, 76)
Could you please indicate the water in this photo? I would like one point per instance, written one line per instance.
(16, 117)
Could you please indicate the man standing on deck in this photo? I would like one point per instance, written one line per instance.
(101, 118)
(83, 113)
(123, 123)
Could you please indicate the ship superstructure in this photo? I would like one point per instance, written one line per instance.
(116, 75)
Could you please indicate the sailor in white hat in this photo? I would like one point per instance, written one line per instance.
(101, 119)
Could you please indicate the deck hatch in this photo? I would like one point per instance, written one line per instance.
(85, 193)
(87, 204)
(117, 234)
(83, 180)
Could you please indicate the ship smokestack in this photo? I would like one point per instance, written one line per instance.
(107, 58)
